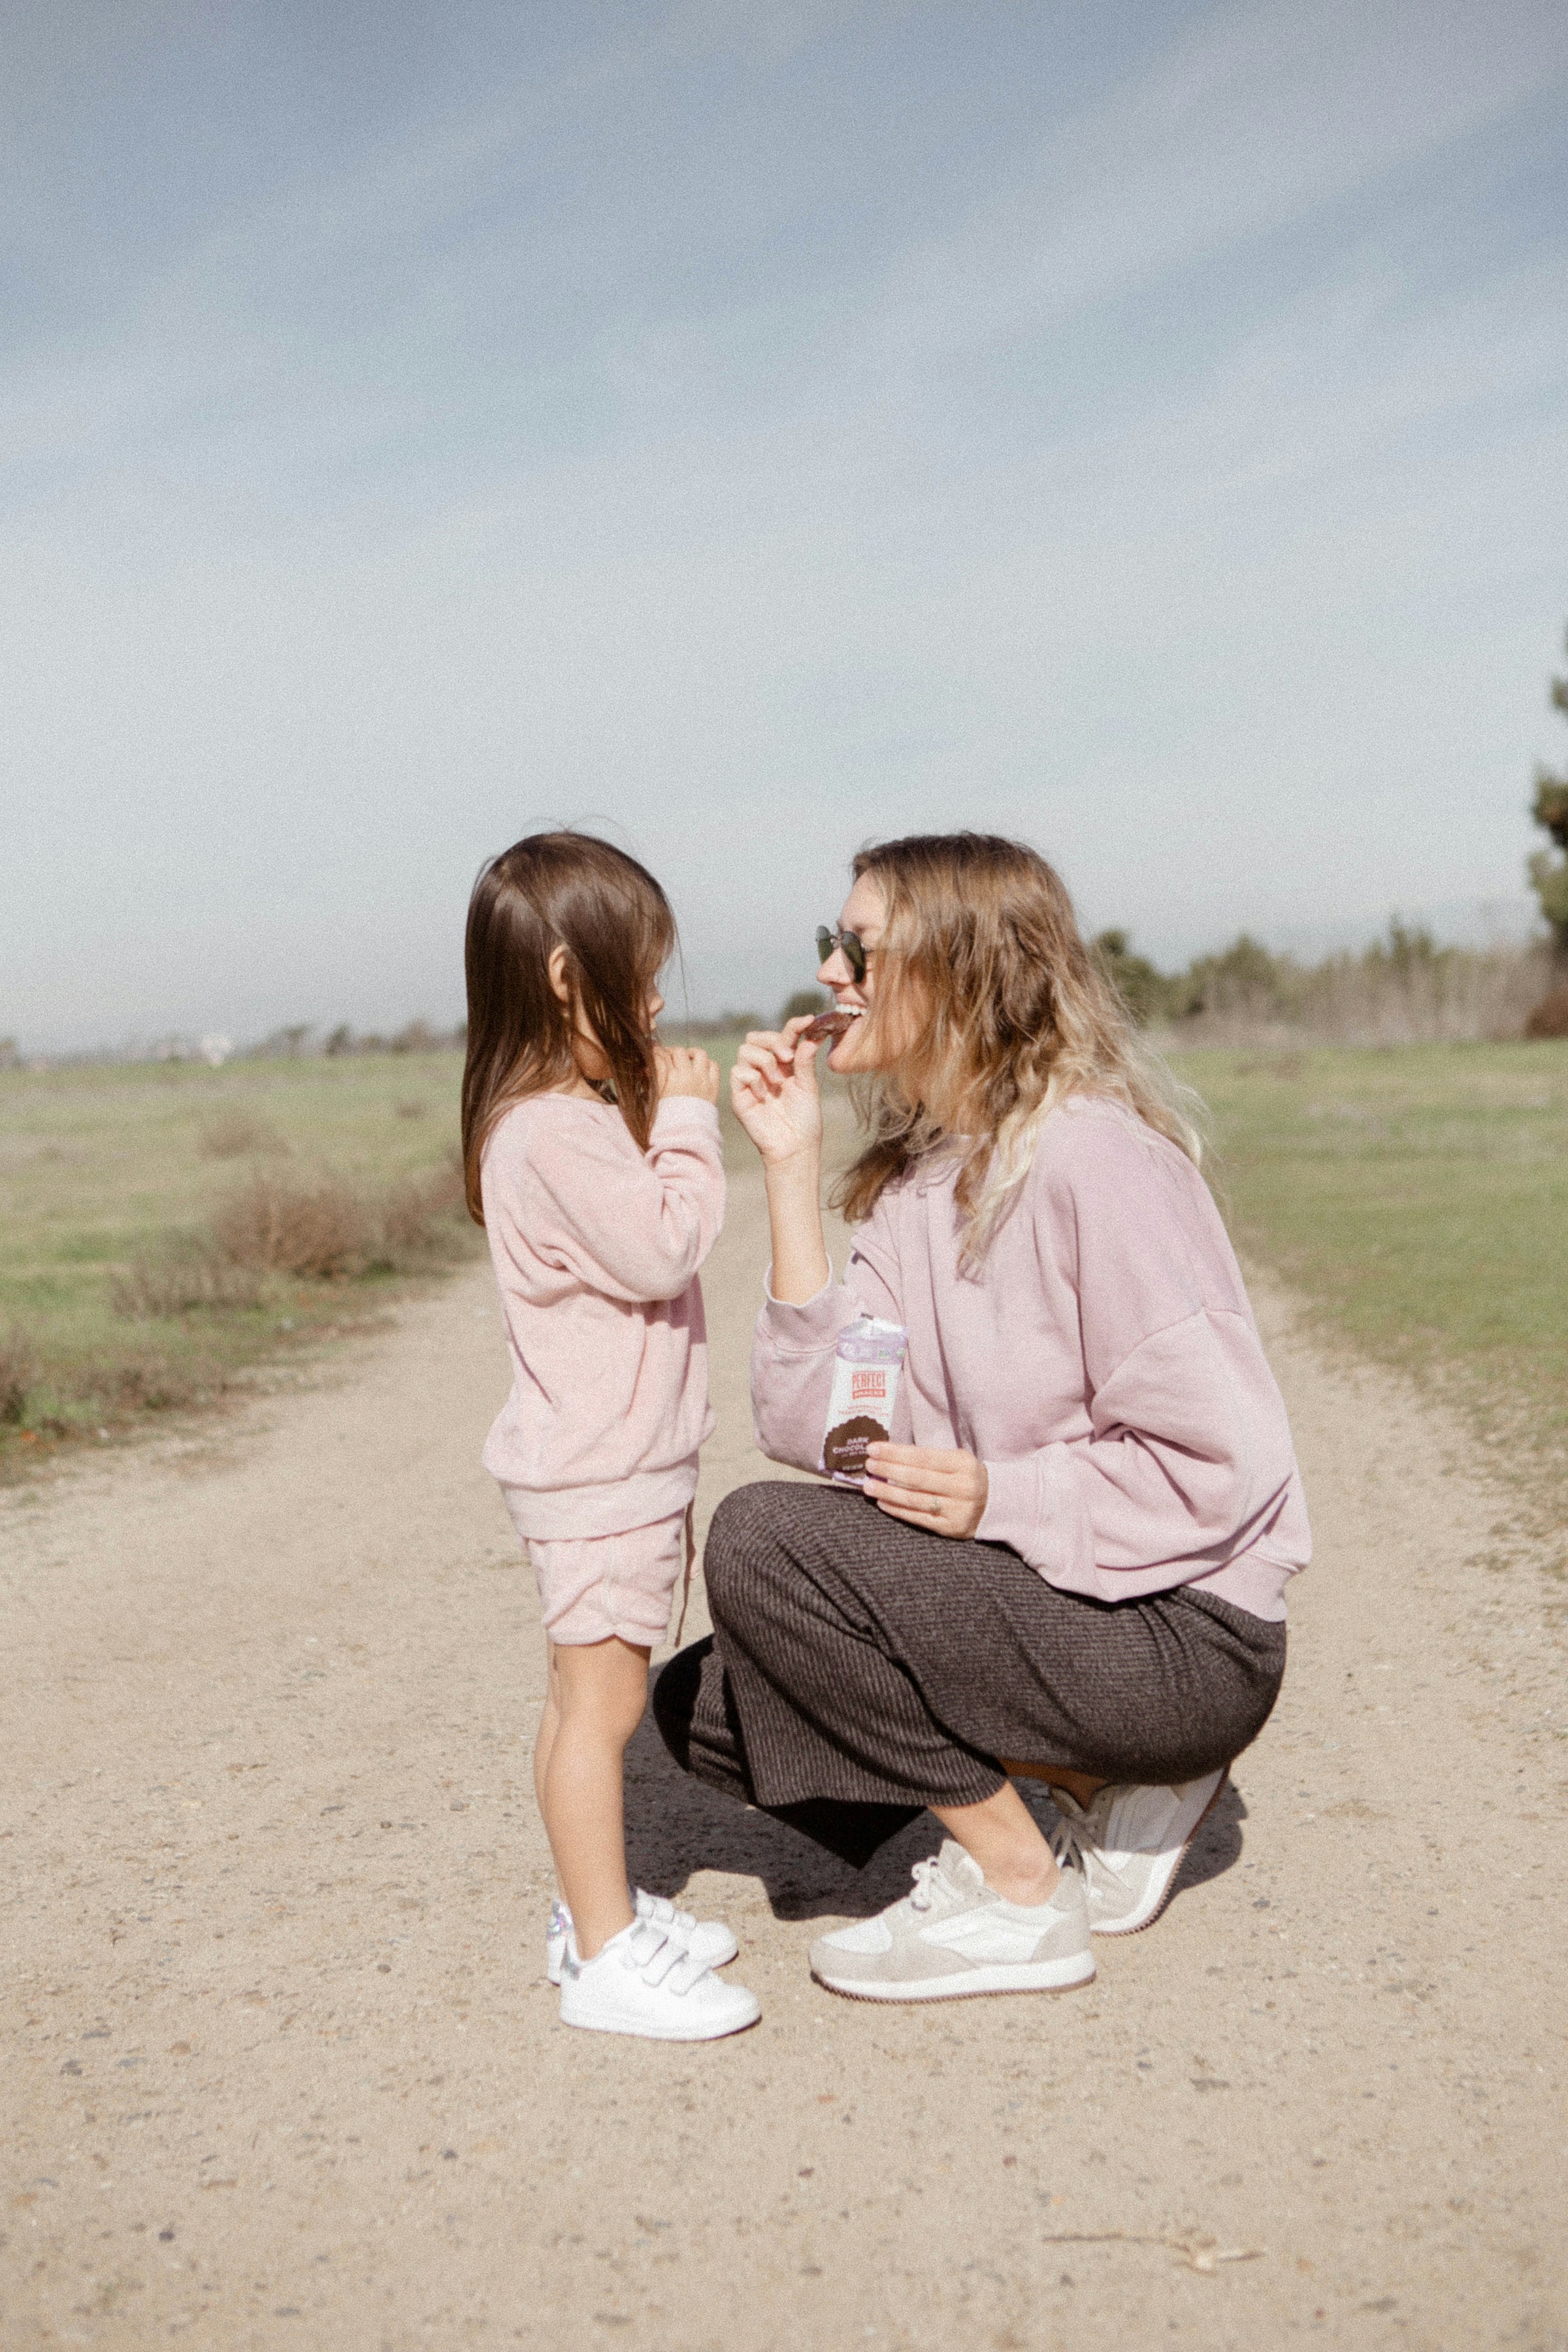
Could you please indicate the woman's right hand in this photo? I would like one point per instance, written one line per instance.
(774, 1092)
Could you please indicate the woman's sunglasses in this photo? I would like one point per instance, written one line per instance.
(854, 953)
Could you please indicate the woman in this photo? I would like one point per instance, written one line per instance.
(1076, 1566)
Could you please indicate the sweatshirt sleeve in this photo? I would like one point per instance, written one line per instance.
(632, 1227)
(1189, 1456)
(793, 1351)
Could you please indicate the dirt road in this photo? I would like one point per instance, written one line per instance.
(282, 2071)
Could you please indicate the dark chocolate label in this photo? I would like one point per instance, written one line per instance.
(843, 1448)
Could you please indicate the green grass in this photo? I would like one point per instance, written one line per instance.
(103, 1168)
(1418, 1198)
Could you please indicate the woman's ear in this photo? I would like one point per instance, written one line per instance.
(558, 980)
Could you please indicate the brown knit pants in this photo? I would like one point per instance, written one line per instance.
(860, 1670)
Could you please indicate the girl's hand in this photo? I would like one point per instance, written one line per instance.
(687, 1070)
(773, 1094)
(945, 1493)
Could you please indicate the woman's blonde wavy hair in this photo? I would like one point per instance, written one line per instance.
(981, 959)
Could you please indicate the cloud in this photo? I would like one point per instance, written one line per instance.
(1170, 471)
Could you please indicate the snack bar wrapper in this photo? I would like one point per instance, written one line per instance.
(864, 1384)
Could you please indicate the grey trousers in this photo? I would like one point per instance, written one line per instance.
(860, 1670)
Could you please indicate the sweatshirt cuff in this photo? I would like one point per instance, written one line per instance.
(689, 1111)
(809, 1326)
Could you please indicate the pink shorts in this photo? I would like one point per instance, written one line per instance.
(591, 1587)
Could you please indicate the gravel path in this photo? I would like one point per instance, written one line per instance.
(282, 2070)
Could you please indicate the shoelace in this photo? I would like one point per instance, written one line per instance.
(658, 1960)
(1066, 1845)
(930, 1880)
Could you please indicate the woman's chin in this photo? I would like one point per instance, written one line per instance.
(844, 1058)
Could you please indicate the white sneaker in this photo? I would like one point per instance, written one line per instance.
(644, 1982)
(1131, 1841)
(954, 1935)
(708, 1940)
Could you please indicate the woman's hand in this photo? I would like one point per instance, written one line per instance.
(945, 1493)
(774, 1092)
(686, 1070)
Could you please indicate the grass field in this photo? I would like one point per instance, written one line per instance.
(117, 1299)
(1418, 1197)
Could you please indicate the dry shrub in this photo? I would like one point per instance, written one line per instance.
(320, 1226)
(409, 1109)
(1549, 1018)
(147, 1384)
(1413, 995)
(419, 1216)
(183, 1281)
(236, 1134)
(18, 1371)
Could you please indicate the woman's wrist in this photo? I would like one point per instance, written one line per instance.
(796, 1172)
(795, 1213)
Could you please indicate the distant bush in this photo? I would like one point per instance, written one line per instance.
(1403, 990)
(1549, 1018)
(235, 1134)
(18, 1371)
(184, 1280)
(147, 1384)
(325, 1229)
(423, 1218)
(318, 1226)
(809, 1001)
(1143, 988)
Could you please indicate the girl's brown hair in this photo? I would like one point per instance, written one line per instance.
(982, 963)
(559, 889)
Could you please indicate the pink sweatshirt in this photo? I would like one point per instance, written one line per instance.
(596, 1247)
(1103, 1364)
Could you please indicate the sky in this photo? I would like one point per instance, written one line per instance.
(750, 428)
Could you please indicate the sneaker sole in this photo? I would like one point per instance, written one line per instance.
(1043, 1976)
(643, 2032)
(1155, 1902)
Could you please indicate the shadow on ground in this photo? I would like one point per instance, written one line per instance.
(675, 1827)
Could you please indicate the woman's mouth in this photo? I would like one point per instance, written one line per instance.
(835, 1025)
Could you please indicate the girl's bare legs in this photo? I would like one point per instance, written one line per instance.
(549, 1725)
(598, 1692)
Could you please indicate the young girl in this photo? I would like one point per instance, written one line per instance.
(592, 1160)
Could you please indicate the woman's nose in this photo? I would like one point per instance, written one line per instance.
(835, 972)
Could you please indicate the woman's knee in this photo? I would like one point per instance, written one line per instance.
(744, 1542)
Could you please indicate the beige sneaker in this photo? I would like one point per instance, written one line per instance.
(953, 1935)
(1129, 1842)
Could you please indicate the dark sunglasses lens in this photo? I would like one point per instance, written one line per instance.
(823, 943)
(854, 953)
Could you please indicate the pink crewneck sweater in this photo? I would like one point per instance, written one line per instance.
(1103, 1363)
(596, 1247)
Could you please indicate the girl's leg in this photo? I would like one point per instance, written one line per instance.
(549, 1725)
(602, 1692)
